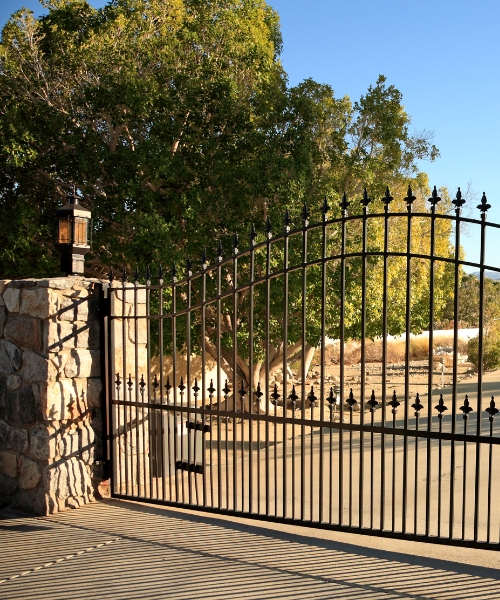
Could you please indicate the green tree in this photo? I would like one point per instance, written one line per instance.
(468, 302)
(160, 114)
(175, 123)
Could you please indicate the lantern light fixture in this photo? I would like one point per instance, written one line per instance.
(73, 233)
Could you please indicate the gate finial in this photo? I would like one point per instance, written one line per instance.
(252, 235)
(410, 198)
(344, 205)
(440, 407)
(365, 200)
(417, 406)
(275, 396)
(459, 201)
(484, 206)
(287, 221)
(351, 401)
(466, 408)
(372, 403)
(325, 208)
(311, 397)
(269, 228)
(305, 214)
(394, 402)
(387, 199)
(492, 410)
(204, 260)
(434, 199)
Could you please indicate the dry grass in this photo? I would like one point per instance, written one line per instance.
(396, 350)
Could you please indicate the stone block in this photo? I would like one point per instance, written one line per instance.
(8, 464)
(32, 501)
(94, 393)
(20, 284)
(14, 382)
(96, 421)
(11, 408)
(39, 417)
(57, 398)
(69, 443)
(37, 368)
(86, 443)
(13, 438)
(73, 309)
(29, 473)
(12, 297)
(135, 329)
(127, 292)
(77, 291)
(21, 406)
(87, 335)
(3, 318)
(58, 361)
(60, 335)
(83, 363)
(11, 357)
(68, 478)
(39, 302)
(3, 394)
(76, 502)
(8, 485)
(43, 442)
(57, 283)
(26, 405)
(25, 332)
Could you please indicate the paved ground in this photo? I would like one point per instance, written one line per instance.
(122, 550)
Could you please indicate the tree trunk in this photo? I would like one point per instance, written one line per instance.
(276, 355)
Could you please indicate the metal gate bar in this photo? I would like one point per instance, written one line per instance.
(226, 447)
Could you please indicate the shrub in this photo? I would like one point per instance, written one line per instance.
(419, 348)
(491, 350)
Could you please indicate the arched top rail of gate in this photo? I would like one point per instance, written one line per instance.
(336, 245)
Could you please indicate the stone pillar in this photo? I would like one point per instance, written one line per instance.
(50, 394)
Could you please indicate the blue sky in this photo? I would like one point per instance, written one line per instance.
(442, 55)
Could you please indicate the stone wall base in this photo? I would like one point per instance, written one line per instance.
(51, 426)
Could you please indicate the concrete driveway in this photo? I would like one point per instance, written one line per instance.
(122, 550)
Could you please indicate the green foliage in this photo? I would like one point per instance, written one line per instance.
(176, 125)
(491, 350)
(468, 298)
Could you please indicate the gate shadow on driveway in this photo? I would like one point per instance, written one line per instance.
(121, 550)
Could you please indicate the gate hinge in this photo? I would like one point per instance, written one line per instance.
(104, 307)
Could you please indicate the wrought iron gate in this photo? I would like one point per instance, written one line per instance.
(211, 405)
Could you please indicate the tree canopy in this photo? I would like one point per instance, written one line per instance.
(175, 123)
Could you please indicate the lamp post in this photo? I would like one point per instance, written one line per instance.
(73, 235)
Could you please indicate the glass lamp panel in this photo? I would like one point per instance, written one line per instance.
(81, 231)
(64, 230)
